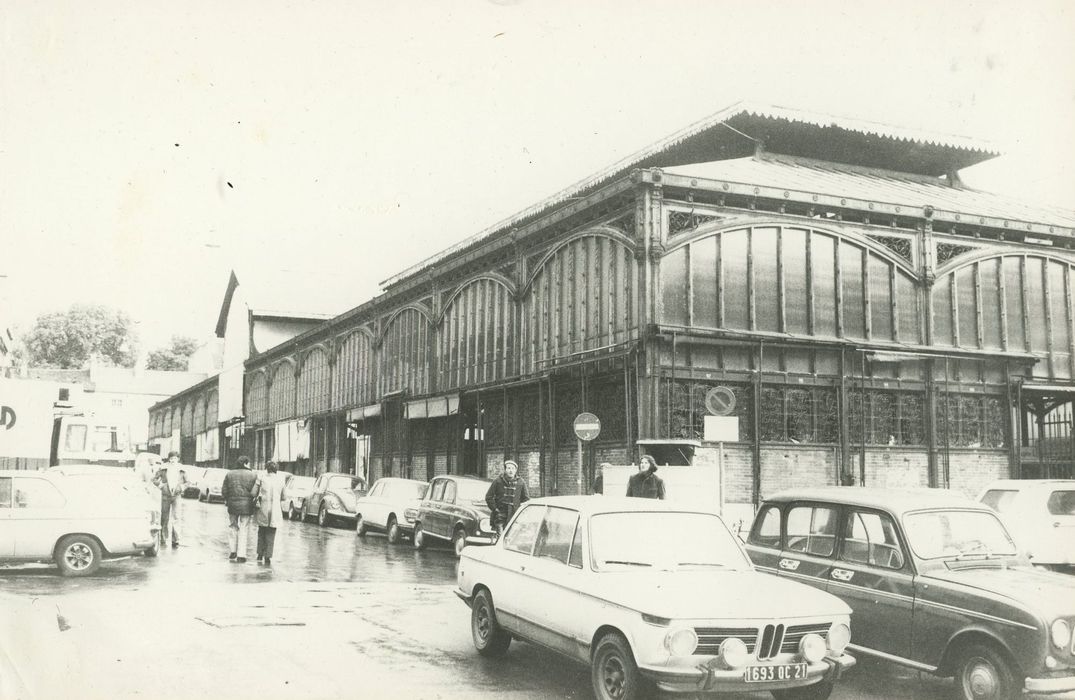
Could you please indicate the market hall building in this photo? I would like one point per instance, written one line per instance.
(830, 283)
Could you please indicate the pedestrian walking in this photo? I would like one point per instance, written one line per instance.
(268, 492)
(236, 490)
(598, 486)
(171, 479)
(645, 483)
(505, 495)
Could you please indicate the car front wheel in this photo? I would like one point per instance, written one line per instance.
(459, 541)
(394, 534)
(984, 674)
(419, 538)
(155, 549)
(490, 639)
(296, 512)
(614, 672)
(322, 517)
(78, 555)
(817, 691)
(360, 526)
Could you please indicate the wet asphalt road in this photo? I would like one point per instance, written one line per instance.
(335, 616)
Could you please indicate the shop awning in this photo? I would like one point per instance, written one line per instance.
(362, 412)
(434, 407)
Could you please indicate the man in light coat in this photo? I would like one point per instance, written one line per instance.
(268, 492)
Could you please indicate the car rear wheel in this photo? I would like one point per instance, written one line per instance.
(419, 539)
(78, 555)
(155, 549)
(490, 639)
(984, 674)
(296, 512)
(322, 516)
(817, 691)
(614, 672)
(394, 534)
(360, 526)
(459, 540)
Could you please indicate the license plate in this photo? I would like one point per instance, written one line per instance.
(770, 674)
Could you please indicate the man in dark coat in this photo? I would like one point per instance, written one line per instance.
(236, 490)
(646, 483)
(505, 495)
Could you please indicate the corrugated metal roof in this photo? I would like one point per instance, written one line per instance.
(901, 189)
(716, 136)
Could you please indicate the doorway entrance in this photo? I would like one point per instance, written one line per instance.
(1047, 444)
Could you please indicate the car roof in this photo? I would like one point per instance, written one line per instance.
(461, 477)
(593, 505)
(83, 469)
(892, 500)
(399, 478)
(1027, 484)
(27, 472)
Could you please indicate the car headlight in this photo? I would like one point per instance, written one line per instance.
(812, 648)
(733, 653)
(838, 638)
(681, 642)
(1060, 633)
(410, 515)
(485, 524)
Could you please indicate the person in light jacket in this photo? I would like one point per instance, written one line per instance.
(268, 492)
(238, 483)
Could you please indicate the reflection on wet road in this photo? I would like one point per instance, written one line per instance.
(304, 552)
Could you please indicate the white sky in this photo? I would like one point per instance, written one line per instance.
(361, 137)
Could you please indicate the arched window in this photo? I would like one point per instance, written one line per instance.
(477, 336)
(257, 400)
(404, 360)
(282, 392)
(313, 383)
(355, 382)
(793, 280)
(199, 415)
(583, 296)
(212, 410)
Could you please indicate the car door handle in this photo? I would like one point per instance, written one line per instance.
(842, 574)
(789, 564)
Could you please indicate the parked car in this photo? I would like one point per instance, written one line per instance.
(391, 507)
(1040, 514)
(210, 484)
(935, 582)
(333, 497)
(193, 488)
(454, 510)
(651, 591)
(125, 478)
(73, 521)
(296, 489)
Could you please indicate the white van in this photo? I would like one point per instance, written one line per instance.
(1040, 513)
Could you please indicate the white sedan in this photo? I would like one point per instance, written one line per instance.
(646, 591)
(390, 507)
(73, 521)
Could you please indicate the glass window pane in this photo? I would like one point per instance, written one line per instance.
(75, 439)
(811, 530)
(766, 282)
(851, 283)
(942, 311)
(555, 534)
(438, 490)
(522, 534)
(880, 299)
(823, 276)
(674, 286)
(1035, 289)
(576, 547)
(1059, 309)
(704, 281)
(449, 492)
(968, 307)
(1013, 303)
(1059, 503)
(733, 260)
(793, 253)
(5, 492)
(766, 532)
(989, 270)
(870, 539)
(36, 493)
(907, 296)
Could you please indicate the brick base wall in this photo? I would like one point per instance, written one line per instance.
(970, 471)
(895, 467)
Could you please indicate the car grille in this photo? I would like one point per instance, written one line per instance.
(774, 639)
(710, 638)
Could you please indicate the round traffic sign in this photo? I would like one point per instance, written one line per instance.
(587, 426)
(720, 400)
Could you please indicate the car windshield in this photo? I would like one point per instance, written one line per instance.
(664, 541)
(300, 482)
(957, 533)
(344, 482)
(470, 490)
(405, 490)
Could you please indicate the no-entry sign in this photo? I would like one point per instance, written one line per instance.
(587, 426)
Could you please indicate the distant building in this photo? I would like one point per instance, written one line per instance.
(205, 421)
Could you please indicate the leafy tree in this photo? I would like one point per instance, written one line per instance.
(175, 356)
(69, 339)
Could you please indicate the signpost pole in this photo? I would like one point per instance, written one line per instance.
(579, 482)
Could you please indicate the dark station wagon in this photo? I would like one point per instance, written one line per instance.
(934, 581)
(454, 510)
